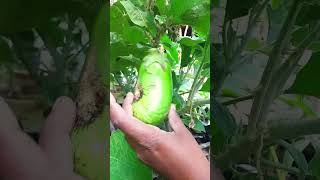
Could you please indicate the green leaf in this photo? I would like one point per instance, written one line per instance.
(135, 34)
(139, 3)
(297, 156)
(315, 46)
(118, 20)
(206, 86)
(253, 44)
(218, 138)
(99, 41)
(163, 6)
(223, 118)
(218, 66)
(191, 41)
(177, 100)
(307, 81)
(124, 163)
(300, 145)
(198, 126)
(6, 54)
(120, 50)
(53, 33)
(137, 16)
(314, 165)
(298, 102)
(236, 8)
(172, 49)
(192, 12)
(299, 35)
(161, 19)
(186, 55)
(198, 17)
(308, 14)
(275, 4)
(18, 15)
(215, 3)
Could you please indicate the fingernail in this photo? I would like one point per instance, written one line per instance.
(65, 101)
(173, 106)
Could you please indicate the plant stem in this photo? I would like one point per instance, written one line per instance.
(194, 87)
(231, 56)
(277, 129)
(280, 166)
(237, 100)
(274, 157)
(265, 96)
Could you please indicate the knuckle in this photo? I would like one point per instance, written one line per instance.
(154, 140)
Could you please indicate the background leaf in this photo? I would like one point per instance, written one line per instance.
(307, 81)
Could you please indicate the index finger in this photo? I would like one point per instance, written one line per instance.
(129, 125)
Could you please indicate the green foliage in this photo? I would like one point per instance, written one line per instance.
(181, 30)
(6, 54)
(307, 81)
(248, 104)
(99, 39)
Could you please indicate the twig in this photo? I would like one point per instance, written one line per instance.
(237, 100)
(276, 129)
(265, 95)
(258, 157)
(274, 157)
(231, 56)
(271, 164)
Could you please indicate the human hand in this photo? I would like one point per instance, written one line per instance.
(51, 159)
(175, 155)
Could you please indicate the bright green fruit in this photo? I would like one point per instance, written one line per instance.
(154, 89)
(90, 149)
(124, 162)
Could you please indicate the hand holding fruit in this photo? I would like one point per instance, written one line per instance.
(51, 159)
(175, 155)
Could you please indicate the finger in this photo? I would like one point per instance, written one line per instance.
(175, 121)
(112, 99)
(54, 138)
(129, 125)
(21, 157)
(8, 120)
(127, 103)
(132, 142)
(17, 149)
(76, 177)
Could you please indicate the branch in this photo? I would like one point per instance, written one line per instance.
(251, 24)
(271, 164)
(236, 100)
(231, 56)
(194, 87)
(288, 129)
(194, 104)
(292, 62)
(277, 129)
(265, 95)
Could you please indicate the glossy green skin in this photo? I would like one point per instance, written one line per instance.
(155, 80)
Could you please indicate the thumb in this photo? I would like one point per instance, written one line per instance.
(128, 124)
(175, 121)
(55, 139)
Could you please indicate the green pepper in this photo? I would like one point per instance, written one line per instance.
(154, 88)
